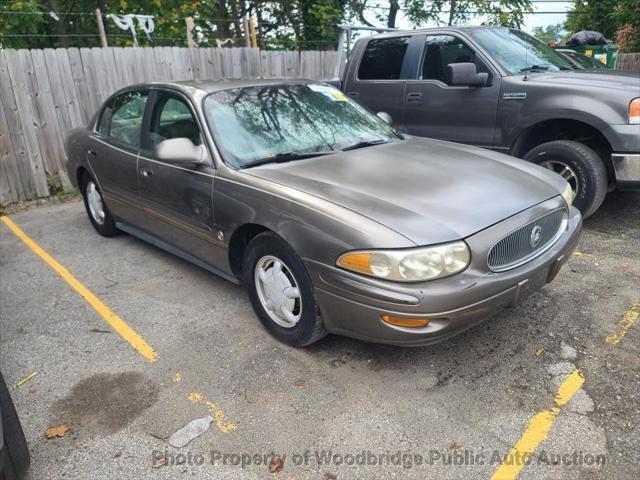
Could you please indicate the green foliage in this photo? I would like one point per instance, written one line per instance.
(550, 33)
(18, 23)
(594, 15)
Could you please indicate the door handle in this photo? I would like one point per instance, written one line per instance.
(353, 94)
(146, 173)
(93, 153)
(414, 97)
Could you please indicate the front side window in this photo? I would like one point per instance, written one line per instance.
(382, 59)
(263, 123)
(172, 118)
(442, 50)
(518, 52)
(121, 119)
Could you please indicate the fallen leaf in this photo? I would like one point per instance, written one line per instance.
(276, 465)
(159, 462)
(177, 378)
(577, 254)
(57, 431)
(117, 455)
(454, 445)
(299, 382)
(539, 352)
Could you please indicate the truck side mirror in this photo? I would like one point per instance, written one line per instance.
(466, 74)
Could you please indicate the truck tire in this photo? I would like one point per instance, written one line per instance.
(580, 166)
(17, 453)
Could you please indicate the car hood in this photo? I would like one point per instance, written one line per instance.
(604, 79)
(429, 191)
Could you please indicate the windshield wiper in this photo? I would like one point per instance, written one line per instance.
(285, 157)
(365, 143)
(533, 68)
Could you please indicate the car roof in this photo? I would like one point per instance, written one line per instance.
(438, 29)
(209, 86)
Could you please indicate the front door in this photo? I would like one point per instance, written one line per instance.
(177, 197)
(113, 154)
(434, 108)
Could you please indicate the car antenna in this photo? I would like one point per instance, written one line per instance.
(526, 63)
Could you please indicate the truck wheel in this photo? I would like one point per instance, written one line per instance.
(580, 166)
(17, 459)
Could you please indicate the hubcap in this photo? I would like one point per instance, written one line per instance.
(94, 200)
(565, 171)
(278, 291)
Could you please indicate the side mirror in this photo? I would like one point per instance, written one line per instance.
(466, 74)
(385, 116)
(180, 150)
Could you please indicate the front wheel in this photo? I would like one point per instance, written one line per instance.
(580, 166)
(281, 292)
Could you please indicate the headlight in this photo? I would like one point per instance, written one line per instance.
(568, 195)
(634, 111)
(410, 265)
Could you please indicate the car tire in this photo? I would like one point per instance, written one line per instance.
(580, 166)
(273, 274)
(100, 217)
(17, 457)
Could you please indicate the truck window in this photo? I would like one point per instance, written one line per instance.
(382, 59)
(440, 51)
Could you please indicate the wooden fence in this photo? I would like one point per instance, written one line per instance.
(45, 93)
(628, 61)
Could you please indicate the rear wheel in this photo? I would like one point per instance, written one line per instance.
(580, 166)
(96, 209)
(17, 453)
(281, 292)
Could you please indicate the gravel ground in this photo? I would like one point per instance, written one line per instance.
(456, 404)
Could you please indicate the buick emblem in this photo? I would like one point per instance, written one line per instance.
(536, 235)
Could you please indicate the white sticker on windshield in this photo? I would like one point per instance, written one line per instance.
(330, 92)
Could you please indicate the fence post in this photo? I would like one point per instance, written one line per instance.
(190, 42)
(103, 36)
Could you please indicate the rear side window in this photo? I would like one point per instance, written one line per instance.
(382, 59)
(121, 119)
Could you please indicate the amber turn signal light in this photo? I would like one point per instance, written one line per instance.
(405, 322)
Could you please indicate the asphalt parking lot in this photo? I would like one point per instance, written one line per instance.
(455, 405)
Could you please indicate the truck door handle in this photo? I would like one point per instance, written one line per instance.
(353, 94)
(414, 97)
(146, 173)
(93, 153)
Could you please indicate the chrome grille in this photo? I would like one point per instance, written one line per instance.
(527, 242)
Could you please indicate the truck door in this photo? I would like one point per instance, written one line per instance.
(434, 108)
(378, 80)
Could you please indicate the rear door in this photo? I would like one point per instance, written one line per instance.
(177, 197)
(378, 80)
(113, 150)
(435, 108)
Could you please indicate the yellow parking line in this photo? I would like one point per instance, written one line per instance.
(625, 324)
(119, 325)
(537, 430)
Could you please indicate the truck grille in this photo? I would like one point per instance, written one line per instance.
(526, 243)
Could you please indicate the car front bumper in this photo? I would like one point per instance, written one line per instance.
(627, 169)
(352, 305)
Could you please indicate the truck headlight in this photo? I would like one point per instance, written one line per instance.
(568, 195)
(634, 111)
(409, 265)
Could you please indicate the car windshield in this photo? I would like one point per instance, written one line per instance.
(518, 52)
(284, 122)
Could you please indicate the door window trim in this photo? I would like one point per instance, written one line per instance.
(493, 73)
(146, 129)
(404, 68)
(109, 140)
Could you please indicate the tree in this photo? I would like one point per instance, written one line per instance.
(627, 14)
(550, 33)
(449, 12)
(593, 15)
